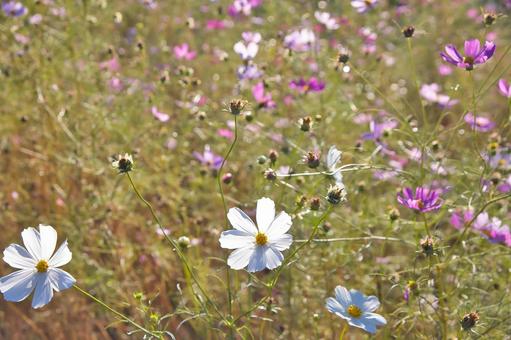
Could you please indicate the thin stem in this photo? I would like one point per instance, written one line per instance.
(220, 188)
(119, 314)
(344, 330)
(175, 246)
(416, 82)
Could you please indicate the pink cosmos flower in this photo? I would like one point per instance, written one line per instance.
(423, 200)
(183, 52)
(505, 88)
(474, 54)
(479, 123)
(162, 117)
(262, 97)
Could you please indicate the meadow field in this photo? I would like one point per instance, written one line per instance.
(255, 169)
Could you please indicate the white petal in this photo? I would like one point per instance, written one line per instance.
(32, 242)
(61, 257)
(357, 298)
(281, 242)
(60, 279)
(376, 318)
(365, 324)
(265, 214)
(343, 296)
(257, 260)
(333, 157)
(279, 225)
(252, 50)
(273, 257)
(43, 291)
(239, 220)
(371, 303)
(18, 285)
(334, 306)
(234, 239)
(48, 240)
(240, 258)
(18, 257)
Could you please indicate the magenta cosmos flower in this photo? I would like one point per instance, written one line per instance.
(424, 199)
(479, 123)
(362, 6)
(474, 54)
(304, 86)
(505, 88)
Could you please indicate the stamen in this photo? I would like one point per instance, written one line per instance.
(261, 239)
(354, 311)
(42, 266)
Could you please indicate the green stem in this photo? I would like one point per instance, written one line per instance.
(344, 330)
(220, 188)
(119, 314)
(416, 82)
(175, 246)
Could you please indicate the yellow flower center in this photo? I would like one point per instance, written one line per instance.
(261, 239)
(354, 311)
(42, 266)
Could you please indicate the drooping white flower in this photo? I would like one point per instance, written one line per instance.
(356, 308)
(257, 247)
(332, 158)
(38, 268)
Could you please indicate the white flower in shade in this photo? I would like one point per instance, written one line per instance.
(38, 268)
(257, 247)
(332, 158)
(356, 308)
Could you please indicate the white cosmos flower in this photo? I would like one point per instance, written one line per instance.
(246, 51)
(356, 308)
(258, 247)
(38, 268)
(332, 158)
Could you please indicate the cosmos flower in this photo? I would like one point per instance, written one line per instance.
(246, 51)
(326, 19)
(505, 88)
(14, 9)
(378, 130)
(479, 123)
(258, 247)
(332, 158)
(490, 228)
(262, 97)
(363, 6)
(300, 41)
(183, 52)
(162, 117)
(424, 199)
(356, 308)
(249, 37)
(305, 86)
(242, 7)
(250, 71)
(474, 54)
(208, 158)
(431, 92)
(38, 266)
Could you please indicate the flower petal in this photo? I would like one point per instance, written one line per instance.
(48, 240)
(240, 257)
(343, 296)
(257, 260)
(334, 306)
(281, 242)
(239, 220)
(371, 303)
(60, 279)
(61, 257)
(452, 53)
(377, 318)
(233, 239)
(273, 257)
(32, 241)
(472, 48)
(18, 257)
(18, 285)
(265, 214)
(280, 225)
(43, 291)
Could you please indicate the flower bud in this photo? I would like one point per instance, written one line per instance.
(183, 242)
(428, 245)
(336, 194)
(315, 203)
(408, 31)
(270, 175)
(312, 159)
(305, 123)
(469, 320)
(273, 155)
(236, 106)
(489, 18)
(227, 178)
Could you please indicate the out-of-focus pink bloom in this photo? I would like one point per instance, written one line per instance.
(111, 65)
(162, 117)
(505, 186)
(226, 133)
(377, 130)
(263, 98)
(479, 123)
(327, 20)
(251, 37)
(369, 37)
(214, 24)
(300, 41)
(171, 143)
(505, 88)
(362, 6)
(208, 158)
(246, 51)
(444, 70)
(431, 92)
(115, 84)
(35, 19)
(305, 86)
(242, 7)
(249, 71)
(183, 52)
(491, 228)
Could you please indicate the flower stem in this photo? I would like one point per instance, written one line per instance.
(344, 330)
(176, 247)
(118, 314)
(220, 188)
